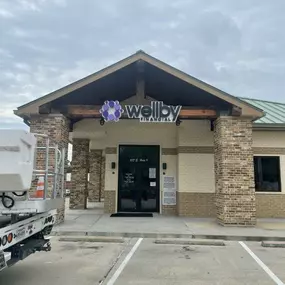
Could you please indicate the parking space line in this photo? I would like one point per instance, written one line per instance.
(262, 265)
(124, 263)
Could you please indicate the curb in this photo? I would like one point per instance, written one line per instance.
(168, 235)
(190, 242)
(240, 238)
(92, 239)
(275, 244)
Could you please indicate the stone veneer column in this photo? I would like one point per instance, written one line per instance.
(234, 174)
(79, 174)
(103, 169)
(57, 128)
(95, 179)
(110, 180)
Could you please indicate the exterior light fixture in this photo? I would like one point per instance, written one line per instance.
(178, 122)
(102, 122)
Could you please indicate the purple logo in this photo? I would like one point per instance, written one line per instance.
(111, 111)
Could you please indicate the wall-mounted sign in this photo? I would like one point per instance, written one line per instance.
(169, 190)
(138, 159)
(152, 173)
(155, 112)
(129, 178)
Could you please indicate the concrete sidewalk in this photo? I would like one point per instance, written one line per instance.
(95, 222)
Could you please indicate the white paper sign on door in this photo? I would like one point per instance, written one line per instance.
(152, 173)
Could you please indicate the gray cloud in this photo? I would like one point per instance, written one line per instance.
(237, 46)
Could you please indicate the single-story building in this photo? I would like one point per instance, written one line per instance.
(149, 138)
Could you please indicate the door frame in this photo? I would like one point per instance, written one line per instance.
(158, 194)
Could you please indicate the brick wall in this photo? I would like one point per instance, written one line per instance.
(170, 210)
(79, 174)
(57, 128)
(95, 185)
(234, 175)
(270, 205)
(200, 205)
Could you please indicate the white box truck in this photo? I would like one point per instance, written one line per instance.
(31, 191)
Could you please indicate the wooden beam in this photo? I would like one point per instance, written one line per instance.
(197, 113)
(83, 110)
(93, 111)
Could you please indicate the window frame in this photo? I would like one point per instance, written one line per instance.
(259, 157)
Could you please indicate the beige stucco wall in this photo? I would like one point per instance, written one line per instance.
(126, 132)
(195, 170)
(195, 133)
(196, 173)
(269, 139)
(111, 175)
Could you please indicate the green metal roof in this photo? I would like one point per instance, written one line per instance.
(275, 112)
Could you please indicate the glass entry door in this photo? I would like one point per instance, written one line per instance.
(138, 189)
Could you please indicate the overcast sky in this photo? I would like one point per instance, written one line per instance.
(235, 45)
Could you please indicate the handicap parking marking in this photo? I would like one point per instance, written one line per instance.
(117, 273)
(261, 264)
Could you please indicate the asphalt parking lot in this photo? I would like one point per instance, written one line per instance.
(142, 261)
(72, 263)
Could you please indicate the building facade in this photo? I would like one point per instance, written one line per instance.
(147, 137)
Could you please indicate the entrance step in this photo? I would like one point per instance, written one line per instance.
(134, 214)
(277, 244)
(100, 239)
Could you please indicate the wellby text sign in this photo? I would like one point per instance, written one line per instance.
(157, 111)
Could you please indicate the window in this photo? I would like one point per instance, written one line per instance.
(267, 173)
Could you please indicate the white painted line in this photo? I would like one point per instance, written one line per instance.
(124, 263)
(262, 265)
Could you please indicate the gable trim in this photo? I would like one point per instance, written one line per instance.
(247, 109)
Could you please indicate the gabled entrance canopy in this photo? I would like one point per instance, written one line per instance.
(144, 78)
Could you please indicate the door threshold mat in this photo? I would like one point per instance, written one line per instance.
(132, 215)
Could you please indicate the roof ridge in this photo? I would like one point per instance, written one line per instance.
(253, 99)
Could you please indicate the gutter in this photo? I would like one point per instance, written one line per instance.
(268, 127)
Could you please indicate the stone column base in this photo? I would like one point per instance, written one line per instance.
(110, 202)
(60, 213)
(242, 213)
(95, 180)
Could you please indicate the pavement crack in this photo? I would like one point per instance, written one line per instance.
(114, 263)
